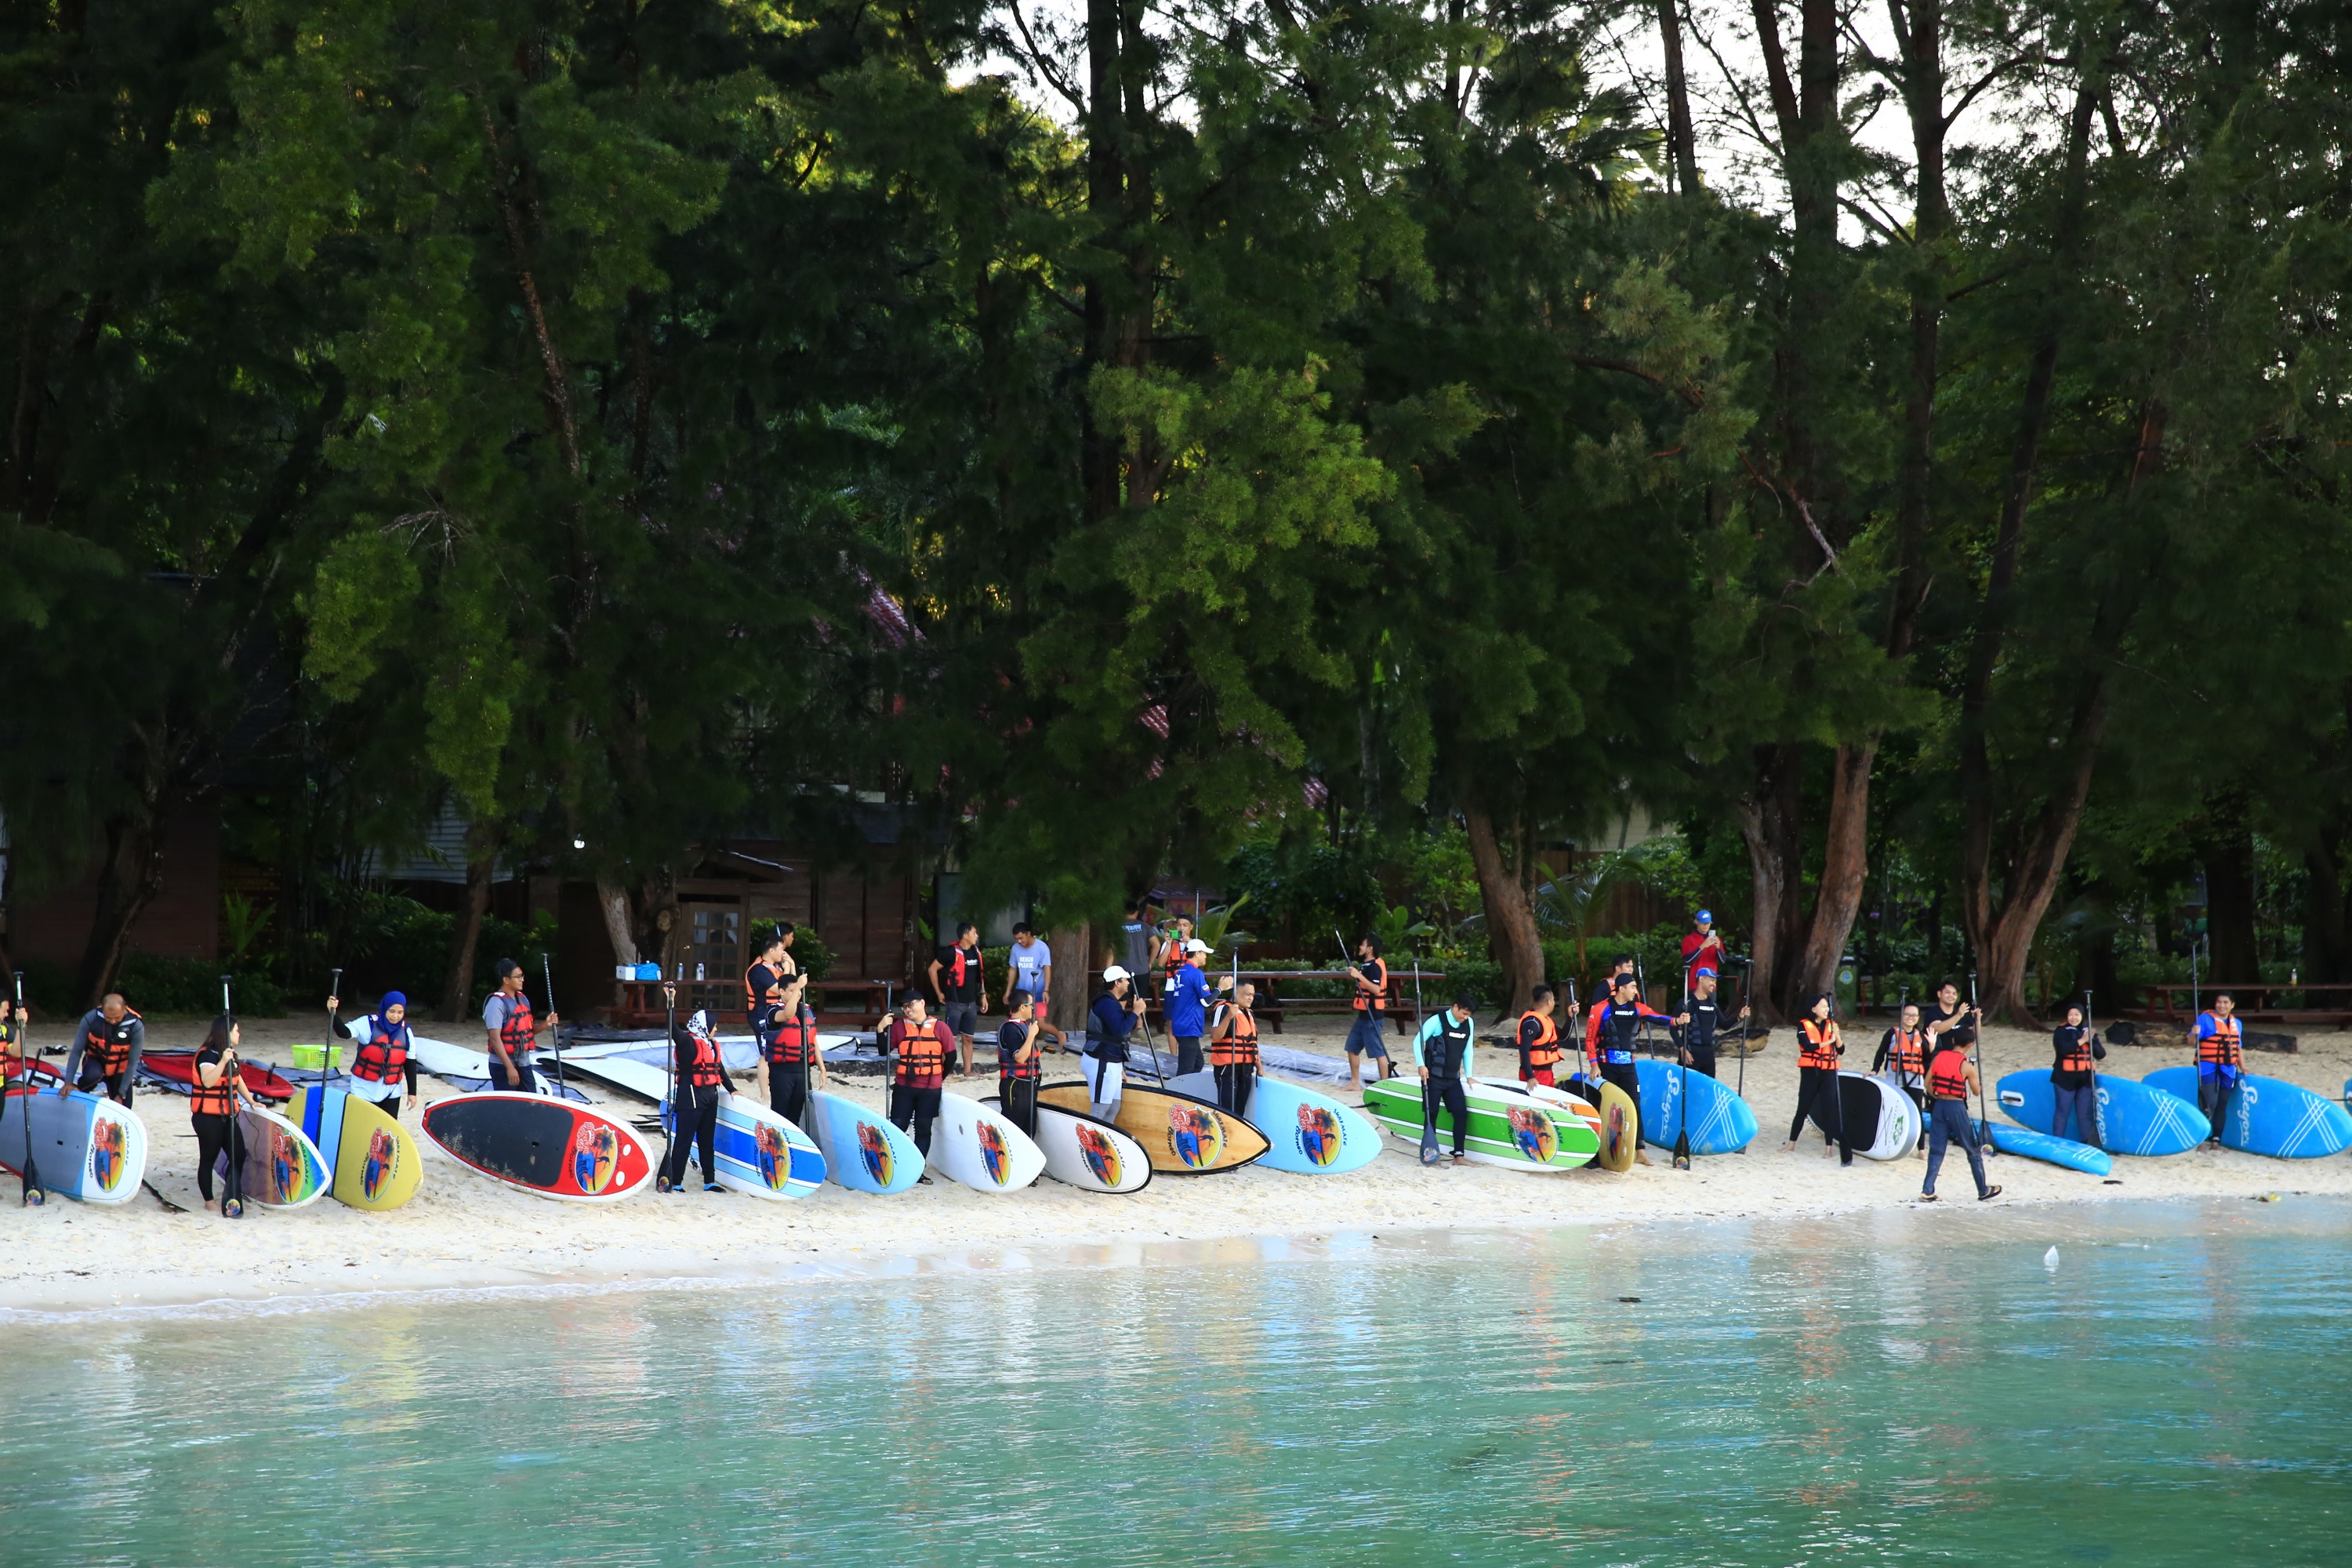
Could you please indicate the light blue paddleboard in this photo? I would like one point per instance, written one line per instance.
(2134, 1119)
(1719, 1121)
(1308, 1134)
(2269, 1115)
(2044, 1146)
(862, 1150)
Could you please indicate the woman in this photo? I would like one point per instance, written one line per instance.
(1819, 1046)
(694, 1103)
(790, 1061)
(2074, 1080)
(12, 1041)
(383, 1062)
(214, 1099)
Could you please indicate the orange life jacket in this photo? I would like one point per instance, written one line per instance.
(703, 1070)
(923, 1054)
(108, 1045)
(1373, 999)
(795, 1044)
(2221, 1048)
(1908, 1053)
(384, 1058)
(1236, 1046)
(2077, 1057)
(1947, 1074)
(758, 1000)
(216, 1100)
(1544, 1049)
(1820, 1044)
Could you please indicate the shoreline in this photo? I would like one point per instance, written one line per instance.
(464, 1236)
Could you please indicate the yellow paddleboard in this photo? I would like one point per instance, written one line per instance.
(373, 1162)
(1621, 1124)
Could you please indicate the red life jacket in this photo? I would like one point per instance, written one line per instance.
(702, 1071)
(518, 1032)
(384, 1059)
(1818, 1044)
(1544, 1050)
(1908, 1054)
(1237, 1044)
(1374, 1000)
(110, 1045)
(923, 1054)
(2221, 1048)
(216, 1100)
(1008, 1063)
(1947, 1074)
(794, 1045)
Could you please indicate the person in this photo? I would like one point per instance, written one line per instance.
(960, 986)
(1019, 1054)
(763, 987)
(1137, 942)
(13, 1057)
(789, 1055)
(1619, 1028)
(1820, 1044)
(383, 1064)
(1702, 950)
(1603, 995)
(1903, 1054)
(1950, 1017)
(1233, 1050)
(1168, 951)
(1441, 1051)
(1538, 1038)
(1113, 1018)
(1031, 967)
(784, 963)
(924, 1046)
(1187, 1005)
(512, 1031)
(2074, 1079)
(1951, 1079)
(2220, 1061)
(215, 1094)
(1370, 975)
(1702, 1018)
(700, 1077)
(107, 1048)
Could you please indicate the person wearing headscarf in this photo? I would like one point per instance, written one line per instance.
(382, 1064)
(694, 1094)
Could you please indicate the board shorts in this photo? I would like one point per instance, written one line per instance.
(962, 1017)
(1364, 1036)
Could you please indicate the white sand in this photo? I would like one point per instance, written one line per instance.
(464, 1230)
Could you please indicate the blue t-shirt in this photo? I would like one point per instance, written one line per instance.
(1029, 966)
(1188, 1004)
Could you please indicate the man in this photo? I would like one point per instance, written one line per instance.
(1620, 968)
(1951, 1017)
(1370, 975)
(1702, 1018)
(961, 989)
(1702, 950)
(1018, 1049)
(1442, 1052)
(1539, 1039)
(1620, 1030)
(1139, 943)
(1904, 1055)
(2220, 1061)
(1187, 1005)
(763, 986)
(1169, 955)
(1951, 1079)
(923, 1047)
(787, 934)
(107, 1048)
(1033, 967)
(1233, 1050)
(789, 1057)
(1111, 1020)
(512, 1033)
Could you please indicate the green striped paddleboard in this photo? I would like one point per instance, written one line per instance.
(1507, 1128)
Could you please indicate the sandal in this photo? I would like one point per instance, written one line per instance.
(1988, 1195)
(1927, 1197)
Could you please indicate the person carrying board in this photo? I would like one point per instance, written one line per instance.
(2075, 1077)
(2220, 1061)
(1951, 1079)
(1538, 1040)
(1441, 1050)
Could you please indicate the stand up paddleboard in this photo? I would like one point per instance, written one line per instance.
(371, 1162)
(2134, 1119)
(470, 1070)
(549, 1147)
(755, 1151)
(977, 1145)
(1881, 1120)
(176, 1070)
(862, 1150)
(1088, 1153)
(85, 1145)
(2047, 1147)
(2269, 1115)
(1619, 1121)
(1308, 1134)
(1577, 1105)
(283, 1170)
(1181, 1136)
(1507, 1128)
(1718, 1121)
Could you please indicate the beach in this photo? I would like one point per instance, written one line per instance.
(465, 1231)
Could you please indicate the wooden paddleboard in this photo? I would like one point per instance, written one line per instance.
(1182, 1136)
(551, 1147)
(371, 1162)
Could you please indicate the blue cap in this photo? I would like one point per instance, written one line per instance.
(1704, 916)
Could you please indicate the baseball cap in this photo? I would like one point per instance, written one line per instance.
(1115, 972)
(1704, 916)
(1197, 945)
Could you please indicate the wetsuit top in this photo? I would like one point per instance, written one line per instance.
(1706, 1018)
(2219, 1044)
(115, 1049)
(1108, 1027)
(1621, 1029)
(695, 1057)
(1188, 1003)
(2076, 1049)
(1443, 1044)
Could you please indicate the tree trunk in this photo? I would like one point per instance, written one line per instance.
(1682, 141)
(128, 879)
(1846, 866)
(1920, 34)
(612, 901)
(1767, 826)
(2327, 934)
(481, 865)
(2032, 881)
(1510, 917)
(1073, 963)
(2229, 856)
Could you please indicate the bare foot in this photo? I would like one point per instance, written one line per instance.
(1639, 1158)
(1789, 1147)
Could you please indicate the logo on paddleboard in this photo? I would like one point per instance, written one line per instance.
(1319, 1135)
(875, 1149)
(1100, 1154)
(383, 1160)
(1620, 1133)
(288, 1172)
(1196, 1136)
(1533, 1135)
(775, 1155)
(994, 1153)
(108, 1160)
(595, 1156)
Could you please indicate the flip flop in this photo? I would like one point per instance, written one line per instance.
(1988, 1195)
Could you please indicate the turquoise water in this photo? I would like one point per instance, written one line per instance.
(1896, 1388)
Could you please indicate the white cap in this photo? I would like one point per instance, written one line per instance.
(1197, 945)
(1115, 972)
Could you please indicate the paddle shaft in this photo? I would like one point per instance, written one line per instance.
(1682, 1056)
(669, 1076)
(334, 1027)
(1747, 1000)
(29, 1174)
(555, 1035)
(1984, 1117)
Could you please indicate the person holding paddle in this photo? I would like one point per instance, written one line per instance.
(382, 1064)
(2075, 1077)
(1114, 1017)
(512, 1030)
(2220, 1061)
(12, 1042)
(790, 1058)
(1951, 1079)
(1702, 1018)
(1441, 1051)
(215, 1094)
(1621, 1027)
(1369, 972)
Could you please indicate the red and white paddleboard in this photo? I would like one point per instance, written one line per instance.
(551, 1147)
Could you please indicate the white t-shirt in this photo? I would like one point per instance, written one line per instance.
(1029, 966)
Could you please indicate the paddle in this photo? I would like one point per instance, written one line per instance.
(1984, 1117)
(233, 1188)
(31, 1174)
(314, 1111)
(555, 1035)
(1747, 1000)
(1682, 1127)
(669, 1086)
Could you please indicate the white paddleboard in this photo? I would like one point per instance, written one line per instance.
(1083, 1152)
(979, 1147)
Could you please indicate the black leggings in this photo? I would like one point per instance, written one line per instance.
(1235, 1084)
(694, 1118)
(913, 1110)
(1456, 1101)
(1817, 1090)
(214, 1133)
(788, 1089)
(1625, 1077)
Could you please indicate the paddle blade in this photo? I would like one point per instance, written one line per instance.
(1428, 1128)
(1681, 1152)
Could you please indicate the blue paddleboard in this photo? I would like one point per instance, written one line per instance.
(757, 1152)
(2269, 1115)
(2044, 1146)
(862, 1150)
(1308, 1134)
(2134, 1119)
(1719, 1121)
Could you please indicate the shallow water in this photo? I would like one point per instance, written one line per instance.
(1916, 1388)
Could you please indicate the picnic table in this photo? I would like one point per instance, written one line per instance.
(2171, 1004)
(839, 1003)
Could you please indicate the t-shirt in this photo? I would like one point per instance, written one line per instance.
(1029, 966)
(1009, 1040)
(1137, 937)
(494, 1011)
(960, 976)
(1700, 952)
(1188, 1004)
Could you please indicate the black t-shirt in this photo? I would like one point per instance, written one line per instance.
(966, 962)
(1009, 1040)
(1963, 1033)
